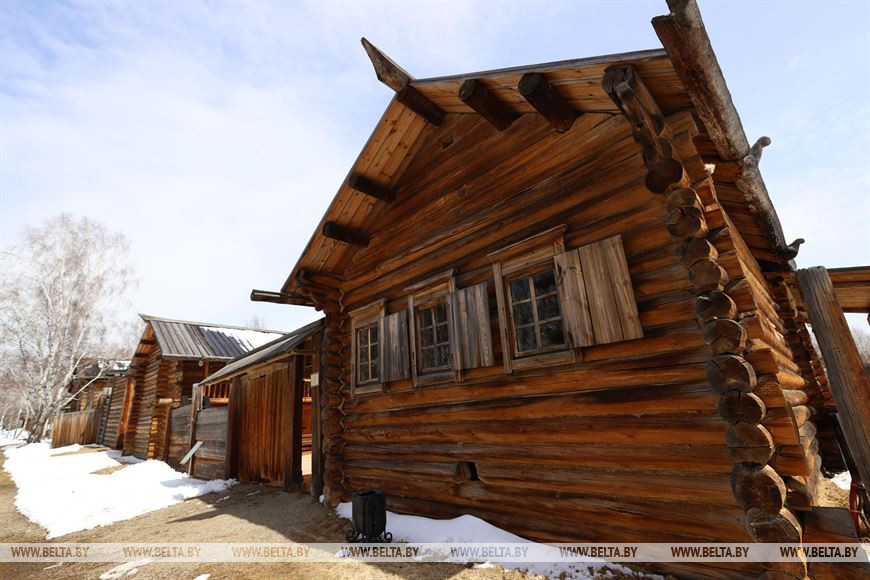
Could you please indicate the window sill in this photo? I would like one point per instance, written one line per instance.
(368, 389)
(543, 360)
(438, 378)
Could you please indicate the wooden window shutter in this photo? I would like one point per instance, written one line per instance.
(572, 293)
(612, 308)
(471, 336)
(394, 344)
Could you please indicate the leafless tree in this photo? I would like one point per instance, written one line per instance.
(862, 341)
(255, 322)
(60, 292)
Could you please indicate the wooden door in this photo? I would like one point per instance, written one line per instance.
(262, 417)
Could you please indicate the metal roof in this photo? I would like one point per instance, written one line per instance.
(202, 340)
(266, 352)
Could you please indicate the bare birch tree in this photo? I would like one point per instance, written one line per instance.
(60, 293)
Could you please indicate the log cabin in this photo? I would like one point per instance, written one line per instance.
(265, 400)
(90, 416)
(558, 297)
(171, 356)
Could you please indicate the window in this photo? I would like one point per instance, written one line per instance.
(535, 312)
(434, 333)
(368, 355)
(552, 301)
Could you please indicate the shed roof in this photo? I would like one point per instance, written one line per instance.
(183, 339)
(672, 78)
(265, 353)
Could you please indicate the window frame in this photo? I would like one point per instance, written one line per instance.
(361, 319)
(529, 274)
(524, 258)
(419, 309)
(422, 295)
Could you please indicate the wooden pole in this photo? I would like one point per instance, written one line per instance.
(231, 462)
(316, 444)
(847, 380)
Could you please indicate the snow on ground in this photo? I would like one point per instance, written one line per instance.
(843, 480)
(12, 437)
(58, 490)
(469, 529)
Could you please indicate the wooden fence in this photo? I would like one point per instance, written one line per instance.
(211, 429)
(179, 435)
(76, 427)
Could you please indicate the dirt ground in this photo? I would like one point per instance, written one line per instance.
(248, 513)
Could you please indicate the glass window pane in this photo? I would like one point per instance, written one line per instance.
(374, 352)
(426, 337)
(545, 282)
(526, 339)
(373, 334)
(440, 313)
(375, 371)
(520, 290)
(552, 334)
(425, 319)
(363, 353)
(441, 333)
(523, 314)
(443, 356)
(428, 358)
(548, 307)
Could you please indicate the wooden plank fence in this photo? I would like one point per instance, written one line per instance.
(76, 427)
(179, 435)
(211, 428)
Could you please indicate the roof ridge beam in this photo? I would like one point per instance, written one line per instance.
(398, 79)
(484, 102)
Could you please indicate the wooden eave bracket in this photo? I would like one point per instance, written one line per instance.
(398, 79)
(364, 185)
(280, 298)
(540, 93)
(474, 93)
(340, 233)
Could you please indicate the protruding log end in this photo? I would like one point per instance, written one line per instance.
(387, 71)
(710, 305)
(729, 372)
(708, 275)
(750, 443)
(725, 336)
(665, 175)
(687, 222)
(486, 104)
(757, 486)
(773, 527)
(543, 97)
(737, 407)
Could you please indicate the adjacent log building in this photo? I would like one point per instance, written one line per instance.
(265, 400)
(558, 297)
(171, 356)
(93, 414)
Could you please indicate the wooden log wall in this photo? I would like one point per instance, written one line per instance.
(211, 429)
(76, 427)
(113, 436)
(600, 444)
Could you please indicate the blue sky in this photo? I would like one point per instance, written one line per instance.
(215, 134)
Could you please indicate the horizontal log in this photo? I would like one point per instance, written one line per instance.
(683, 197)
(664, 176)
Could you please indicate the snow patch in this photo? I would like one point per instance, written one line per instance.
(469, 529)
(61, 493)
(843, 480)
(13, 437)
